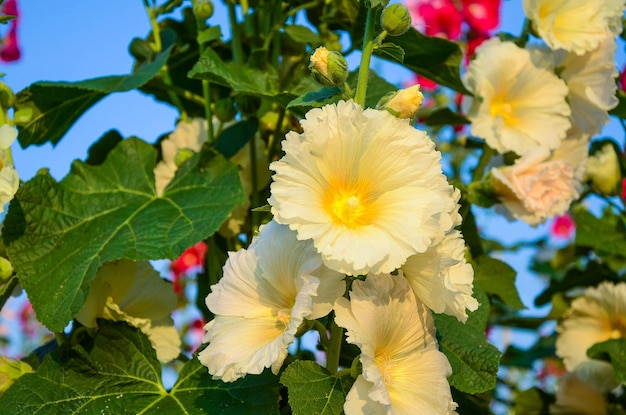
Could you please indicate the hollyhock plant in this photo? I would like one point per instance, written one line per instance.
(482, 16)
(403, 372)
(575, 25)
(365, 186)
(542, 184)
(135, 293)
(596, 316)
(266, 293)
(563, 226)
(9, 47)
(436, 18)
(517, 106)
(9, 179)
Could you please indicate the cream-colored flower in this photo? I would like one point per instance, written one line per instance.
(517, 106)
(583, 391)
(365, 186)
(265, 294)
(575, 25)
(403, 372)
(542, 184)
(590, 79)
(441, 277)
(603, 170)
(597, 316)
(9, 180)
(134, 292)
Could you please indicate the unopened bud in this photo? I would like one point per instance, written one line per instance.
(403, 103)
(6, 269)
(396, 19)
(225, 109)
(603, 170)
(7, 98)
(203, 9)
(10, 371)
(329, 68)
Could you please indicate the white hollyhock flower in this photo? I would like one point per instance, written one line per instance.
(403, 372)
(9, 180)
(441, 277)
(134, 292)
(517, 106)
(575, 25)
(583, 391)
(542, 184)
(265, 294)
(597, 316)
(590, 79)
(365, 186)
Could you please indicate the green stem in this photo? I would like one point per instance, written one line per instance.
(206, 86)
(197, 99)
(254, 179)
(334, 346)
(236, 36)
(366, 57)
(61, 338)
(8, 291)
(165, 73)
(156, 30)
(482, 163)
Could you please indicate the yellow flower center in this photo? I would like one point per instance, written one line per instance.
(349, 205)
(501, 107)
(284, 316)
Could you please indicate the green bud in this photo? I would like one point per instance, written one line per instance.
(7, 98)
(329, 68)
(10, 371)
(203, 9)
(225, 109)
(483, 193)
(182, 155)
(396, 19)
(6, 269)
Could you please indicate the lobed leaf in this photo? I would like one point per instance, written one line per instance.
(497, 277)
(120, 374)
(615, 350)
(59, 233)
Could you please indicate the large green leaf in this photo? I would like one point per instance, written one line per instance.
(120, 374)
(496, 277)
(59, 233)
(435, 58)
(46, 110)
(613, 350)
(606, 235)
(474, 361)
(313, 390)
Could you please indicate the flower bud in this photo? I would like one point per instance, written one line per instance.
(10, 371)
(203, 9)
(403, 103)
(225, 109)
(7, 98)
(603, 170)
(6, 269)
(396, 19)
(329, 68)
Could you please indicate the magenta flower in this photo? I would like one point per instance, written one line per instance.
(9, 48)
(563, 227)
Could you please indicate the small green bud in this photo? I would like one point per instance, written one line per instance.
(182, 155)
(6, 269)
(396, 19)
(329, 68)
(7, 98)
(603, 170)
(203, 9)
(225, 109)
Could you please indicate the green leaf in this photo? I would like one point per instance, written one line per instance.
(313, 390)
(496, 277)
(472, 404)
(241, 78)
(615, 352)
(315, 99)
(6, 18)
(443, 116)
(433, 57)
(235, 137)
(620, 109)
(121, 375)
(59, 233)
(606, 235)
(474, 361)
(533, 401)
(48, 109)
(391, 51)
(101, 148)
(209, 34)
(302, 34)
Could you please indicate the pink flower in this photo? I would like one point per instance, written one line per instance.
(436, 18)
(481, 15)
(622, 79)
(10, 8)
(563, 227)
(191, 258)
(9, 48)
(623, 194)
